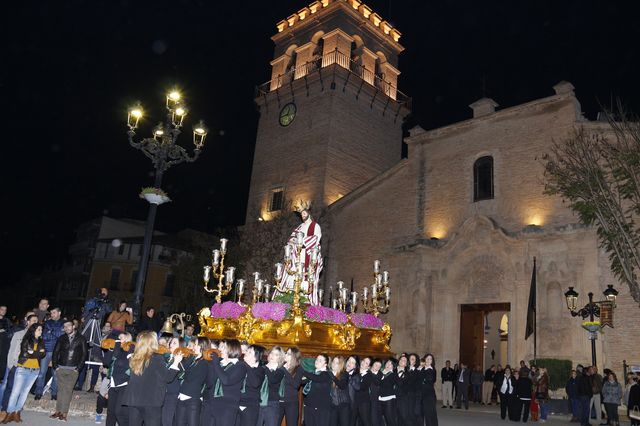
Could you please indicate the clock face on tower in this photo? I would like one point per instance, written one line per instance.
(287, 114)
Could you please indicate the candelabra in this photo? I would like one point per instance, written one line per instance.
(378, 303)
(294, 265)
(216, 270)
(172, 319)
(342, 301)
(261, 290)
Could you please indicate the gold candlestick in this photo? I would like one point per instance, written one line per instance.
(216, 271)
(377, 302)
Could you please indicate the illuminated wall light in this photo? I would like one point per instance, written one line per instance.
(366, 11)
(315, 6)
(281, 26)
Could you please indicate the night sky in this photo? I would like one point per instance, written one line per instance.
(71, 68)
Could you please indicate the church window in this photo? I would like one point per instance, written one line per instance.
(114, 282)
(277, 200)
(483, 179)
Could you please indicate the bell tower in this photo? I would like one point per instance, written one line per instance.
(331, 115)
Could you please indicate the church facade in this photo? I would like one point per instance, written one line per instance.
(457, 223)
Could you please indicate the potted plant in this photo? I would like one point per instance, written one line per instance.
(591, 326)
(154, 195)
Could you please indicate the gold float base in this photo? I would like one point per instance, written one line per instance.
(312, 338)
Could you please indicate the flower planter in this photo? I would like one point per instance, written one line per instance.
(156, 198)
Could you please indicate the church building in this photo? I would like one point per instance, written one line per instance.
(457, 223)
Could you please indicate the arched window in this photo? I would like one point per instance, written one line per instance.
(483, 179)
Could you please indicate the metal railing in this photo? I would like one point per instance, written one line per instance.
(342, 60)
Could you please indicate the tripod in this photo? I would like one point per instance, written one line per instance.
(92, 332)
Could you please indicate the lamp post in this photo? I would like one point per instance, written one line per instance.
(163, 151)
(592, 310)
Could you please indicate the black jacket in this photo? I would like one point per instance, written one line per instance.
(274, 378)
(511, 383)
(69, 353)
(428, 379)
(118, 362)
(149, 388)
(230, 378)
(583, 385)
(152, 324)
(402, 388)
(489, 375)
(523, 387)
(374, 386)
(340, 390)
(291, 384)
(26, 346)
(320, 394)
(362, 385)
(195, 376)
(252, 384)
(388, 384)
(466, 378)
(448, 375)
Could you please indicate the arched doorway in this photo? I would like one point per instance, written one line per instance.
(481, 334)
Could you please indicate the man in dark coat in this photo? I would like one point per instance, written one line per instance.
(462, 385)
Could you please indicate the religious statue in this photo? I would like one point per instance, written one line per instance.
(310, 233)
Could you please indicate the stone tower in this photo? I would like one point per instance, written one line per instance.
(331, 115)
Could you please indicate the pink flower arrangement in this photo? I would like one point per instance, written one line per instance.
(273, 311)
(227, 310)
(366, 321)
(323, 314)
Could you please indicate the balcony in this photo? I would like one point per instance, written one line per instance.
(344, 61)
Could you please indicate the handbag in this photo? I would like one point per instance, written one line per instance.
(635, 413)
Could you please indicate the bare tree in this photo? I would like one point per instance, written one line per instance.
(598, 173)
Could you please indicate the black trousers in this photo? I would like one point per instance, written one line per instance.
(289, 411)
(149, 416)
(188, 412)
(340, 415)
(390, 412)
(101, 404)
(376, 413)
(169, 409)
(462, 395)
(248, 416)
(362, 412)
(116, 412)
(221, 415)
(525, 405)
(269, 414)
(429, 410)
(314, 416)
(404, 412)
(505, 400)
(515, 408)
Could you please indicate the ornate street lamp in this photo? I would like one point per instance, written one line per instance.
(593, 310)
(163, 151)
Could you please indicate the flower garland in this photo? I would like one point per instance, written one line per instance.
(227, 310)
(320, 313)
(366, 321)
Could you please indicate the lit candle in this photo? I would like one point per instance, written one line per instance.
(388, 292)
(216, 257)
(320, 294)
(278, 270)
(376, 266)
(240, 287)
(385, 277)
(207, 273)
(256, 276)
(365, 292)
(299, 238)
(287, 251)
(223, 245)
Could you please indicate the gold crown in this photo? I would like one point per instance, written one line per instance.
(302, 205)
